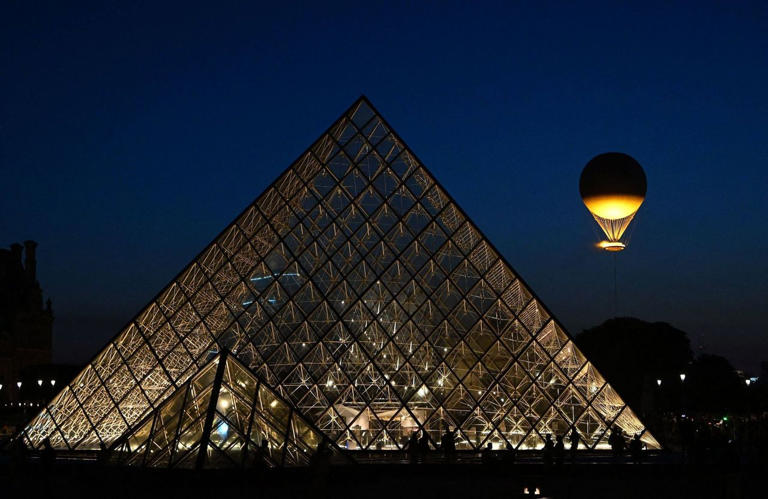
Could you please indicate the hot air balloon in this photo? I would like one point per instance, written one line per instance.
(613, 187)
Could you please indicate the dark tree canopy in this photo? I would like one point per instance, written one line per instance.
(714, 385)
(632, 353)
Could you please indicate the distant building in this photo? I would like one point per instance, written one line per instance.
(25, 321)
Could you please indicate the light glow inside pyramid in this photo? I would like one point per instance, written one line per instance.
(357, 290)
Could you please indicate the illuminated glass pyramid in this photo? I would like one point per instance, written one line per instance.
(361, 294)
(223, 417)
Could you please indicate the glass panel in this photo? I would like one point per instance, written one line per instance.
(273, 408)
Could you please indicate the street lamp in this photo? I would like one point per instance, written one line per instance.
(18, 384)
(748, 381)
(682, 377)
(53, 382)
(658, 382)
(39, 382)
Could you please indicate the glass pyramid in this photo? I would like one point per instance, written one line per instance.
(361, 293)
(223, 417)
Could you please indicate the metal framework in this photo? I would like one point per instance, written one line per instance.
(223, 417)
(363, 296)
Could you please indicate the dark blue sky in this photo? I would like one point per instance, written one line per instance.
(131, 135)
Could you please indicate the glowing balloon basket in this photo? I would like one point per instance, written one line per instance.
(611, 245)
(613, 186)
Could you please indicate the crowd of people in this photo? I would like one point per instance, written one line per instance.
(553, 452)
(724, 440)
(699, 440)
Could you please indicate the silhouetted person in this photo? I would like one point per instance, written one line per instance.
(48, 456)
(616, 441)
(510, 454)
(559, 450)
(413, 447)
(687, 433)
(702, 445)
(448, 445)
(320, 463)
(424, 445)
(549, 448)
(636, 449)
(263, 452)
(720, 449)
(321, 454)
(104, 454)
(19, 456)
(487, 454)
(575, 437)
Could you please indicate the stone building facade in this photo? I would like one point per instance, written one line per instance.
(25, 319)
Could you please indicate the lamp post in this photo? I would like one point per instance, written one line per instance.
(682, 392)
(658, 382)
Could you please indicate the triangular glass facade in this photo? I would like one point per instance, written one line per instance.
(223, 417)
(360, 292)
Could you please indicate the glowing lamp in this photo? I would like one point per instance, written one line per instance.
(611, 245)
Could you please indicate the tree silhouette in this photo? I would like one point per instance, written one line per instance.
(715, 388)
(632, 354)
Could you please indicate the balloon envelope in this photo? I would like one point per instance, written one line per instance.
(612, 185)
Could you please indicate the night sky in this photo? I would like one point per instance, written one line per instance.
(131, 135)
